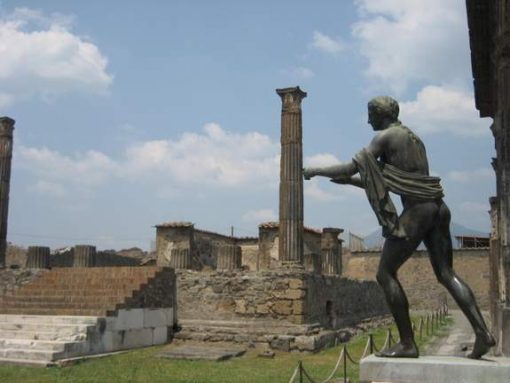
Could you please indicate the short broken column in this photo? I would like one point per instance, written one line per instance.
(229, 257)
(84, 256)
(181, 259)
(331, 251)
(291, 177)
(171, 236)
(38, 257)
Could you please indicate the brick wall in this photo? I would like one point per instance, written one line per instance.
(418, 279)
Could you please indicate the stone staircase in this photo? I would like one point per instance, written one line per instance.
(73, 312)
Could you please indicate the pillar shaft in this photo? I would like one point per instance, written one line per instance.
(6, 129)
(84, 256)
(291, 177)
(331, 251)
(229, 257)
(38, 257)
(181, 259)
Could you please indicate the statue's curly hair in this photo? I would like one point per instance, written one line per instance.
(385, 106)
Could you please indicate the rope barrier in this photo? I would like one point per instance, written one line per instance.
(370, 347)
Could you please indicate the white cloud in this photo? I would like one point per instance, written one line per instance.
(476, 175)
(326, 44)
(440, 109)
(52, 189)
(313, 190)
(413, 40)
(41, 57)
(301, 73)
(214, 157)
(321, 159)
(52, 168)
(258, 216)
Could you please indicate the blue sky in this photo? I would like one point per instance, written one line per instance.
(131, 113)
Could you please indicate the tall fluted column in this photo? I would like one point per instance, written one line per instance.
(6, 129)
(291, 177)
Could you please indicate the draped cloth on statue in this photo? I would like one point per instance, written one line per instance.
(379, 179)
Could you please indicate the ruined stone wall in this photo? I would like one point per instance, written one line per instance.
(285, 295)
(336, 302)
(418, 279)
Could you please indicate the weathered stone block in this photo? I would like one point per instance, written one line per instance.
(298, 307)
(160, 335)
(240, 306)
(282, 307)
(137, 338)
(154, 317)
(262, 309)
(294, 294)
(129, 319)
(297, 319)
(282, 343)
(305, 343)
(296, 283)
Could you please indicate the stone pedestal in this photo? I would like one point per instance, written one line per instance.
(6, 129)
(38, 257)
(437, 369)
(331, 251)
(291, 177)
(84, 256)
(181, 259)
(229, 257)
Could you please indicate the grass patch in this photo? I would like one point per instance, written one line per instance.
(141, 366)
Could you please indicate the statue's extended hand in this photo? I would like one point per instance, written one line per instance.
(309, 173)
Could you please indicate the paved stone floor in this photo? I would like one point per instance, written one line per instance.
(456, 340)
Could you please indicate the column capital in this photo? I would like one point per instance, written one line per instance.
(291, 98)
(6, 126)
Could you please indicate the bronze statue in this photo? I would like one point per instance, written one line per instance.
(396, 161)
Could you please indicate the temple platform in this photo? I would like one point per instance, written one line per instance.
(436, 369)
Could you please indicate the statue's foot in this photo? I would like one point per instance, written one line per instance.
(484, 341)
(400, 351)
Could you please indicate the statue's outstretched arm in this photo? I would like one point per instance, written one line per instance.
(347, 170)
(336, 171)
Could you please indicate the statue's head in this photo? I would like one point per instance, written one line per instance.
(382, 111)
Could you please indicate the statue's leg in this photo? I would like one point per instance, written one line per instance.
(395, 253)
(417, 220)
(439, 246)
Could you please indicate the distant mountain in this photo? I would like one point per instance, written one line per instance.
(375, 239)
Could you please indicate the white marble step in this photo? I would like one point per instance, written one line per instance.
(43, 345)
(44, 335)
(48, 319)
(46, 327)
